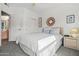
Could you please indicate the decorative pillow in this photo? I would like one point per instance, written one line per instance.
(55, 31)
(46, 30)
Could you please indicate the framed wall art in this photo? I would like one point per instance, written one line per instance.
(39, 21)
(50, 21)
(70, 19)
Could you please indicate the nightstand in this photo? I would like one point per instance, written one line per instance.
(70, 42)
(77, 43)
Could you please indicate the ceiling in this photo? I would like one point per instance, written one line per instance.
(41, 7)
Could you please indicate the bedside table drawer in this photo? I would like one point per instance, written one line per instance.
(70, 43)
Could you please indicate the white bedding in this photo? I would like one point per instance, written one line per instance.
(37, 41)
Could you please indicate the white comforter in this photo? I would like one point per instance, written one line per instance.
(37, 41)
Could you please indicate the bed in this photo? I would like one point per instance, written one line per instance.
(40, 43)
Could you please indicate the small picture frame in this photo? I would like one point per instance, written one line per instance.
(70, 19)
(39, 21)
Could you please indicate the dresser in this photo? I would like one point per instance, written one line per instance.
(70, 42)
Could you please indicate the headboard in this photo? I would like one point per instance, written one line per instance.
(53, 30)
(61, 31)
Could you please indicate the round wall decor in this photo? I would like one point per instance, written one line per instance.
(50, 21)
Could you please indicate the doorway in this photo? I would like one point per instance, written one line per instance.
(4, 28)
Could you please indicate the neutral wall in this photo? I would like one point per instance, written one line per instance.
(60, 14)
(30, 23)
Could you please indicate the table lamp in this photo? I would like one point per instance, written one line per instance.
(74, 32)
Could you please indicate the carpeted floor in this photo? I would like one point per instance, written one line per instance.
(12, 49)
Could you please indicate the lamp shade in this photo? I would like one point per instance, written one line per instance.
(74, 32)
